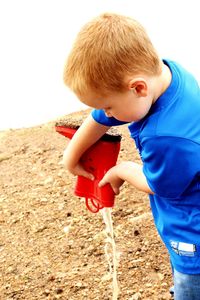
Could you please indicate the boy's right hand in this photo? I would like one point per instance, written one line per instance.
(87, 134)
(78, 170)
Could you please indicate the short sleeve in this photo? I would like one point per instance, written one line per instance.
(100, 117)
(170, 164)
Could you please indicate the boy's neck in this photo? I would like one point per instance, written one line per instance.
(162, 82)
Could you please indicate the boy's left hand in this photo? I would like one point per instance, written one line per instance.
(113, 179)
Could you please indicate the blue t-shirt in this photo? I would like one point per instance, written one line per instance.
(168, 140)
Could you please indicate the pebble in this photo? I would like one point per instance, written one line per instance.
(136, 296)
(51, 278)
(59, 291)
(66, 229)
(161, 276)
(46, 292)
(164, 284)
(43, 200)
(48, 180)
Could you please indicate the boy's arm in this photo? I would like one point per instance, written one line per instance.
(126, 171)
(88, 133)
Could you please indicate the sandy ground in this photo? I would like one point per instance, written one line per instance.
(51, 246)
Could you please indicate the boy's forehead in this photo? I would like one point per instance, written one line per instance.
(94, 100)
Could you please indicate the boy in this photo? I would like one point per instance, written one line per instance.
(114, 68)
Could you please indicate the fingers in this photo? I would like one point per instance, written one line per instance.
(103, 182)
(87, 175)
(80, 171)
(115, 190)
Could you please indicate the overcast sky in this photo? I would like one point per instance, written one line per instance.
(36, 36)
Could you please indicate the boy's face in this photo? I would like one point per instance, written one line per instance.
(128, 106)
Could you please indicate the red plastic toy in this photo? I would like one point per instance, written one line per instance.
(97, 160)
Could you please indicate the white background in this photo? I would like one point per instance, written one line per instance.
(36, 36)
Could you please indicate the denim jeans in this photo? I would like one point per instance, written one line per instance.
(186, 287)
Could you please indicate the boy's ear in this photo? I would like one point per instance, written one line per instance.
(138, 86)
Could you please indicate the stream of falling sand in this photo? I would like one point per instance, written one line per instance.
(111, 256)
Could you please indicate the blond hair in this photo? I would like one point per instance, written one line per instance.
(107, 49)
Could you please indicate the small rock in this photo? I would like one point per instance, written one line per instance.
(136, 232)
(44, 200)
(79, 284)
(136, 296)
(46, 292)
(161, 276)
(164, 284)
(59, 291)
(66, 229)
(48, 180)
(10, 270)
(51, 278)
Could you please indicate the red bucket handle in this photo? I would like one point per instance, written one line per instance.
(93, 205)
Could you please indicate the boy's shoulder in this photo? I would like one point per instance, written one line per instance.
(176, 112)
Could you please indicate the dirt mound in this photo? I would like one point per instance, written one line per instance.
(51, 246)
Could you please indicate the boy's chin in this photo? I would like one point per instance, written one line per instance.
(125, 120)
